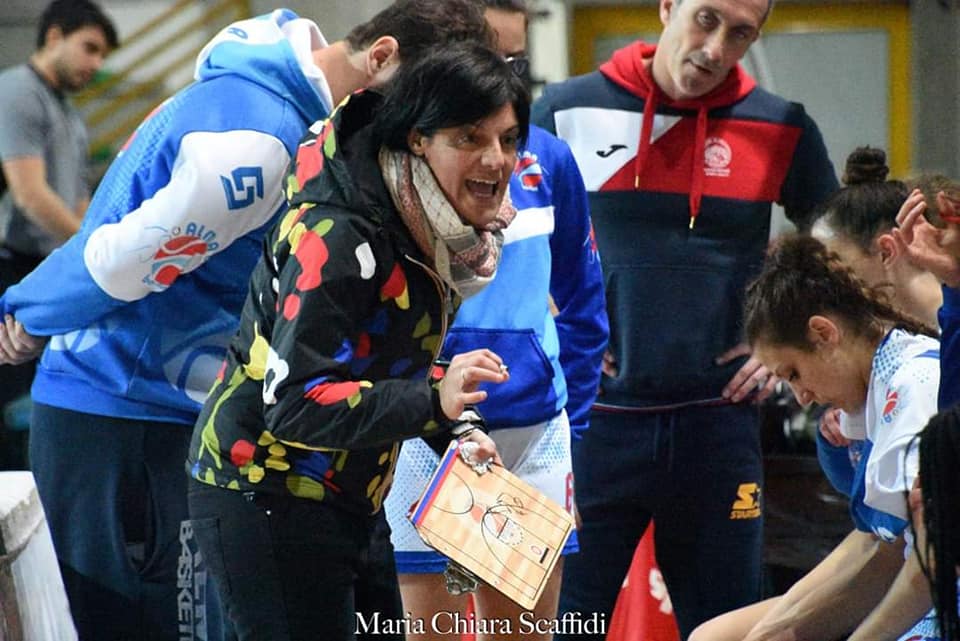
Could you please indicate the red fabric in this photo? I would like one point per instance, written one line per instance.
(643, 611)
(639, 614)
(757, 167)
(627, 68)
(632, 68)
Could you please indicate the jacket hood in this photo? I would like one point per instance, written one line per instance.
(628, 68)
(274, 51)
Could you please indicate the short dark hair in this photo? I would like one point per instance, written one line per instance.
(418, 25)
(71, 15)
(448, 87)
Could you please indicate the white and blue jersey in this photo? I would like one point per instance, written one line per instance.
(141, 303)
(901, 398)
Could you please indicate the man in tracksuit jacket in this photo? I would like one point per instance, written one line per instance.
(682, 155)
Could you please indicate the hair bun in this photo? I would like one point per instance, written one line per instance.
(866, 165)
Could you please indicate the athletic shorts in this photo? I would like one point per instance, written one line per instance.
(538, 454)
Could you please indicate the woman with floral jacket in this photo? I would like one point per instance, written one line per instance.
(397, 206)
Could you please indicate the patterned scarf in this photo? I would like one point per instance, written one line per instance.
(465, 258)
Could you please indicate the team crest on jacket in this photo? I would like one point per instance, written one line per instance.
(716, 157)
(528, 171)
(180, 252)
(891, 406)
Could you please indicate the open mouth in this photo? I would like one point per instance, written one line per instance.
(482, 188)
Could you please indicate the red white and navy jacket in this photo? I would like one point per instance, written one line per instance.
(681, 196)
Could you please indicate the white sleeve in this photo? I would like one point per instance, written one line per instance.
(222, 186)
(909, 402)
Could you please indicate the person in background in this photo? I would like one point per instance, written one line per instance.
(857, 224)
(141, 303)
(43, 148)
(43, 140)
(682, 155)
(397, 210)
(554, 361)
(834, 341)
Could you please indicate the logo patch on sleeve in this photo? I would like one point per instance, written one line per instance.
(245, 188)
(892, 406)
(528, 170)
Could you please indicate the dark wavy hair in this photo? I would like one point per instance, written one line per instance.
(452, 85)
(800, 279)
(71, 15)
(940, 481)
(868, 203)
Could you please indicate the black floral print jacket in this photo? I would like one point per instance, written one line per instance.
(330, 368)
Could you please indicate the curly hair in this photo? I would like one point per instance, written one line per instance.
(800, 279)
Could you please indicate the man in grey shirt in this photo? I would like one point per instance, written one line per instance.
(43, 148)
